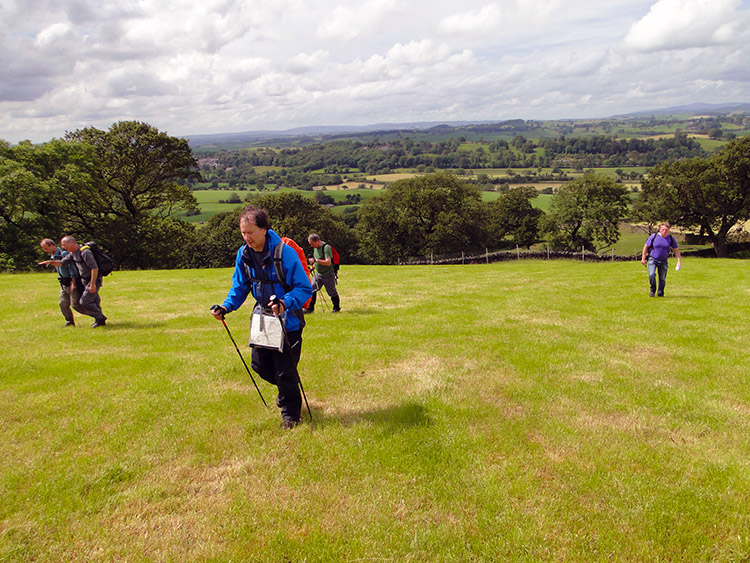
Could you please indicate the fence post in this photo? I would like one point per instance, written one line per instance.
(462, 258)
(583, 255)
(432, 258)
(547, 251)
(486, 255)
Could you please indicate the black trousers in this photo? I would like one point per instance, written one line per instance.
(280, 369)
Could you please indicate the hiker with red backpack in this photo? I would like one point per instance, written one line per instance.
(326, 271)
(271, 273)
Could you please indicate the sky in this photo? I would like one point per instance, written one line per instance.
(224, 66)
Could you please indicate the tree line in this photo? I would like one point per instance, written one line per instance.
(123, 188)
(376, 157)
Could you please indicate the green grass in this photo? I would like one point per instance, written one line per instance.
(520, 411)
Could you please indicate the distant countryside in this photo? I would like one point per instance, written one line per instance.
(596, 186)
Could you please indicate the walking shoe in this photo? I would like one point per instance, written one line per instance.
(69, 323)
(289, 423)
(651, 294)
(99, 323)
(336, 311)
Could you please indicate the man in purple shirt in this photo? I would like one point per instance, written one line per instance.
(657, 249)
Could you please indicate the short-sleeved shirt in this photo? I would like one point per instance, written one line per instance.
(660, 246)
(321, 253)
(84, 260)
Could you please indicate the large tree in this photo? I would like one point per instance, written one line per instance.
(711, 194)
(136, 187)
(587, 213)
(511, 216)
(435, 213)
(36, 185)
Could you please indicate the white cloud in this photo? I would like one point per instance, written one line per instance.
(304, 62)
(682, 24)
(233, 65)
(485, 19)
(347, 22)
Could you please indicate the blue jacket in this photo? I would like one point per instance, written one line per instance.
(296, 278)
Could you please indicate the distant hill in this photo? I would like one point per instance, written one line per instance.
(691, 109)
(197, 141)
(320, 133)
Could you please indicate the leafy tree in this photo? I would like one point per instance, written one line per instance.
(713, 194)
(291, 215)
(433, 213)
(586, 213)
(135, 188)
(36, 183)
(513, 215)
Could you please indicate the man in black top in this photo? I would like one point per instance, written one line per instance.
(88, 269)
(70, 282)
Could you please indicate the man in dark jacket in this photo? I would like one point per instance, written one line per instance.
(255, 273)
(83, 258)
(69, 282)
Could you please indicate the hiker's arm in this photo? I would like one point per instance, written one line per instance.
(56, 263)
(645, 252)
(679, 257)
(94, 277)
(324, 261)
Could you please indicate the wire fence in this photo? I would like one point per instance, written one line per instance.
(502, 255)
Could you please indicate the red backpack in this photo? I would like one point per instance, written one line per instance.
(336, 260)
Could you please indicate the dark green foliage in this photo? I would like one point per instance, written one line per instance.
(512, 217)
(119, 187)
(434, 213)
(712, 194)
(36, 184)
(586, 213)
(291, 215)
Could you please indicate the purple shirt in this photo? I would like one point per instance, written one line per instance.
(661, 246)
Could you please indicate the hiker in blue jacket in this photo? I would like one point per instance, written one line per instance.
(656, 250)
(255, 273)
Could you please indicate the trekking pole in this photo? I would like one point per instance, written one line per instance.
(325, 301)
(275, 300)
(213, 308)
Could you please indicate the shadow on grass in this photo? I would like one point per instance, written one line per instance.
(390, 419)
(359, 311)
(128, 325)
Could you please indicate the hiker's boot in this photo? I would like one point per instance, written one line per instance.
(336, 304)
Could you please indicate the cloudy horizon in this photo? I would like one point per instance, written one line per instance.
(225, 66)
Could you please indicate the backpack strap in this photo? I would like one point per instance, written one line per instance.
(277, 264)
(262, 277)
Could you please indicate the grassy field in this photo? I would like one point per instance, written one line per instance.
(522, 411)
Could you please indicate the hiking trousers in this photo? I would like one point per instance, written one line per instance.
(280, 369)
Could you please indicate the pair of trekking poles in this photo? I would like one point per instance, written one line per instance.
(275, 300)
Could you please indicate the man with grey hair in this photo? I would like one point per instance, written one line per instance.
(325, 273)
(69, 279)
(84, 259)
